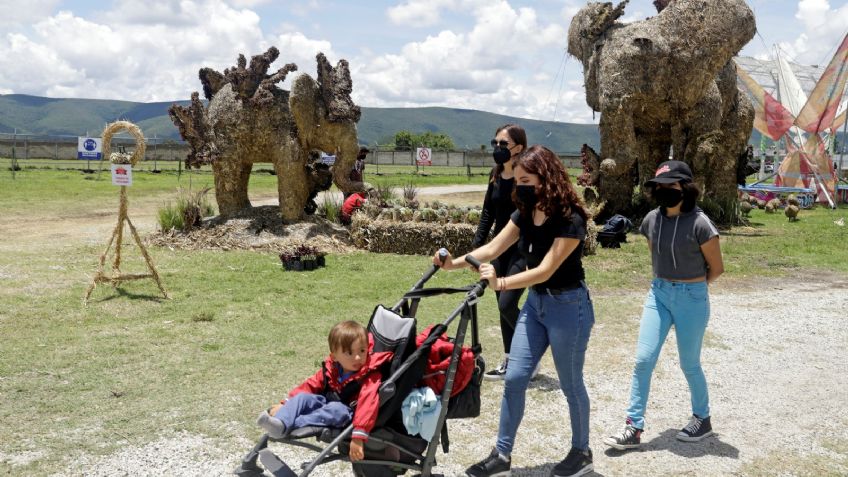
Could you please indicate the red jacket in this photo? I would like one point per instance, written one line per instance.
(353, 203)
(368, 378)
(439, 361)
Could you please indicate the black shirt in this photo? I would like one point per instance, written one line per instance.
(497, 207)
(535, 241)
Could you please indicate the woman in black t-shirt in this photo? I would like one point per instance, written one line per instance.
(549, 228)
(510, 140)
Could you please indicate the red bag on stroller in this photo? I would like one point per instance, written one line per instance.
(439, 360)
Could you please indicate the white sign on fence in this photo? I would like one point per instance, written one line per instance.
(328, 159)
(423, 156)
(89, 148)
(122, 174)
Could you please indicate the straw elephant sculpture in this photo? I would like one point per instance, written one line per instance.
(249, 120)
(665, 84)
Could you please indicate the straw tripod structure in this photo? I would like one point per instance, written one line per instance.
(118, 234)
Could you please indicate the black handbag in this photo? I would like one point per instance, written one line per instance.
(466, 403)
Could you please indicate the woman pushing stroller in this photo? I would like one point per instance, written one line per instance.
(549, 227)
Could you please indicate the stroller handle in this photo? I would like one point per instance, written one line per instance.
(482, 284)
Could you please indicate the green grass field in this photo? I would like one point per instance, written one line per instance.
(238, 331)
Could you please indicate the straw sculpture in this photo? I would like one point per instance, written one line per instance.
(664, 84)
(249, 119)
(118, 233)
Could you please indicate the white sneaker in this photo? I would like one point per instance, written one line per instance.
(499, 372)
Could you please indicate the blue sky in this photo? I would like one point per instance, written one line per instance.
(502, 56)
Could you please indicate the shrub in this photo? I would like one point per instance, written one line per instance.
(187, 212)
(385, 193)
(410, 192)
(329, 209)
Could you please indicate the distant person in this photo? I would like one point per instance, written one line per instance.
(686, 257)
(359, 165)
(351, 204)
(509, 141)
(351, 373)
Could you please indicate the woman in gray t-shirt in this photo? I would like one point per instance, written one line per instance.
(686, 256)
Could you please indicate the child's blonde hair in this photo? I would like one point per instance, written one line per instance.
(345, 334)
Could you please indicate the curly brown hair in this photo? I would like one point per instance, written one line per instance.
(555, 193)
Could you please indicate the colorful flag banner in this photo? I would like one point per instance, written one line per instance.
(770, 118)
(819, 112)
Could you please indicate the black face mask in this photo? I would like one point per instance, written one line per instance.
(526, 195)
(501, 155)
(667, 197)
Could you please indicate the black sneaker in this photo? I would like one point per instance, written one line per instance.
(630, 438)
(577, 462)
(696, 430)
(499, 372)
(492, 466)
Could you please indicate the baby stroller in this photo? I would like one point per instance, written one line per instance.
(390, 450)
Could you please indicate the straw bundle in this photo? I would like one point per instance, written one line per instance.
(410, 238)
(135, 132)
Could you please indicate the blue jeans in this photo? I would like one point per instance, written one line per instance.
(563, 322)
(305, 409)
(687, 307)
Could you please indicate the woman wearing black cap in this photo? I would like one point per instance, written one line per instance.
(686, 256)
(510, 140)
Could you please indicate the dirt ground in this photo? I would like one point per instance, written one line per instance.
(94, 225)
(775, 364)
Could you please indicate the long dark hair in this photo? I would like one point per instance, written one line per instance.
(518, 136)
(555, 193)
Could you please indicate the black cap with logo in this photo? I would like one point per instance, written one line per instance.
(670, 172)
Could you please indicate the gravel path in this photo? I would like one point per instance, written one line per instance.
(776, 366)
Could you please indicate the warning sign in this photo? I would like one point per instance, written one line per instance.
(121, 174)
(423, 155)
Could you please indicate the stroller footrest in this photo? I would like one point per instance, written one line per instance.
(275, 465)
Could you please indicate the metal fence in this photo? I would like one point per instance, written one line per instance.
(60, 151)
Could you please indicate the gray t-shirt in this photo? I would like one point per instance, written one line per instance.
(676, 243)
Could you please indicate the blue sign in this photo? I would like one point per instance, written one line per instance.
(89, 148)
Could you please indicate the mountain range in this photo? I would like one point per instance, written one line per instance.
(469, 129)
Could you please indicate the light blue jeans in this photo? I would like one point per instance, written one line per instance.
(687, 307)
(563, 322)
(306, 409)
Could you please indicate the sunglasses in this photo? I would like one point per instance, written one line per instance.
(503, 144)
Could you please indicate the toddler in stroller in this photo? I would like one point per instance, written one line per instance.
(352, 373)
(433, 359)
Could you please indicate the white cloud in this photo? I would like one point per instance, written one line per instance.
(17, 15)
(501, 64)
(152, 51)
(824, 27)
(418, 13)
(133, 56)
(298, 49)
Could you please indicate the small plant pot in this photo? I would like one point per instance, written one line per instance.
(287, 265)
(297, 265)
(309, 264)
(321, 261)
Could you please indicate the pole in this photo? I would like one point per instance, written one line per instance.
(155, 157)
(14, 157)
(844, 142)
(88, 159)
